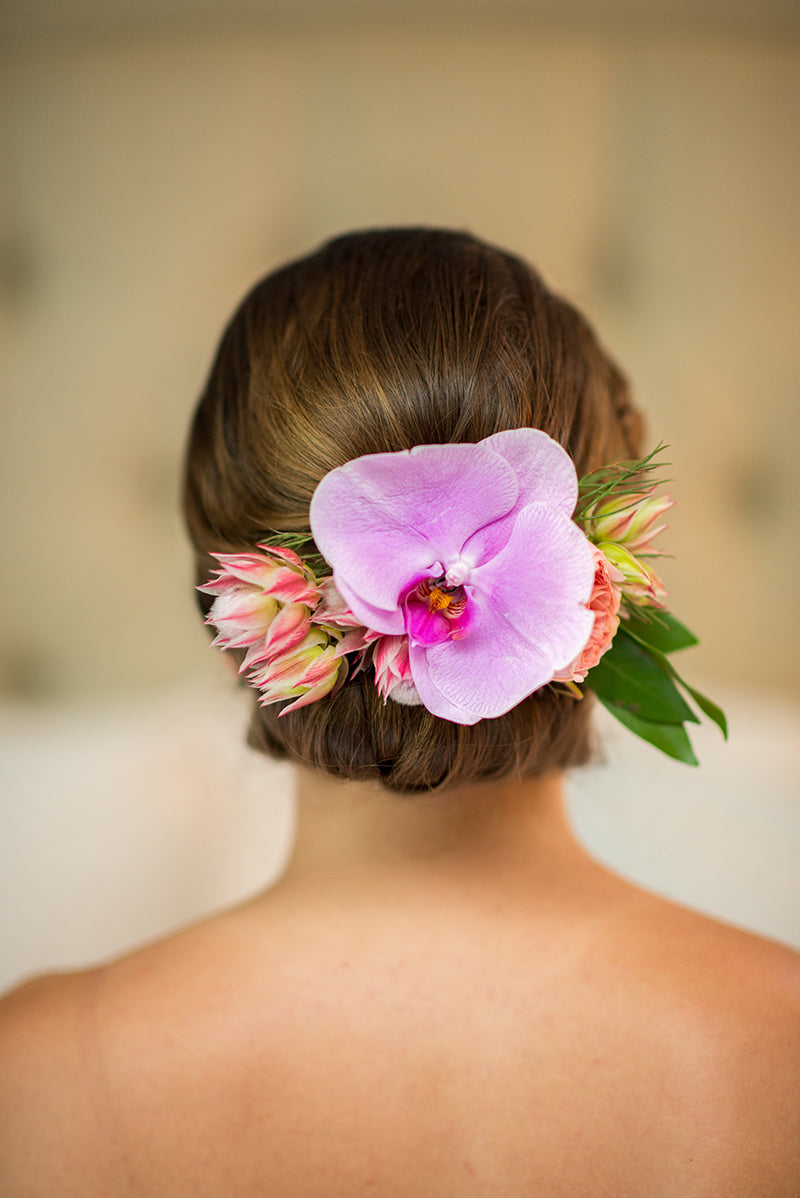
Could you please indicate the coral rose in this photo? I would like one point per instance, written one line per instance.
(604, 604)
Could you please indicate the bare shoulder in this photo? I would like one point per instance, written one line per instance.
(50, 1139)
(736, 970)
(91, 1063)
(683, 1031)
(727, 1003)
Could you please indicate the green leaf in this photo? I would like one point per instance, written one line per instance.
(671, 739)
(630, 674)
(658, 629)
(301, 543)
(706, 705)
(619, 478)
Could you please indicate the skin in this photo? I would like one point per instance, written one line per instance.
(443, 996)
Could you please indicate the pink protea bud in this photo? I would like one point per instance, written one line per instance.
(628, 520)
(241, 615)
(393, 670)
(277, 571)
(306, 673)
(288, 630)
(333, 612)
(251, 590)
(333, 608)
(640, 585)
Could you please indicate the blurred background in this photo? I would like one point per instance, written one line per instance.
(158, 156)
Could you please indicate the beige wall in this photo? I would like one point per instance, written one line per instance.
(151, 175)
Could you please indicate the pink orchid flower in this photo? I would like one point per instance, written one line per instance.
(469, 551)
(387, 654)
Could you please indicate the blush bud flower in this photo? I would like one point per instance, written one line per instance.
(629, 520)
(250, 591)
(393, 671)
(307, 672)
(333, 611)
(288, 629)
(639, 584)
(265, 602)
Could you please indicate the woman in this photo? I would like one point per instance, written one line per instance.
(444, 994)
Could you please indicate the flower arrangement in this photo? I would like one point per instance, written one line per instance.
(466, 577)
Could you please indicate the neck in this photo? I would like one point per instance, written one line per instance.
(347, 830)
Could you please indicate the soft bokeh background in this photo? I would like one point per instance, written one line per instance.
(158, 156)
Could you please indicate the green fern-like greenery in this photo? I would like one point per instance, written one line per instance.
(303, 544)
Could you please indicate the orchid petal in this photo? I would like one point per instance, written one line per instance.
(383, 623)
(386, 519)
(542, 580)
(545, 471)
(533, 622)
(430, 696)
(425, 627)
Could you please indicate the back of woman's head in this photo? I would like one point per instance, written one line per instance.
(377, 342)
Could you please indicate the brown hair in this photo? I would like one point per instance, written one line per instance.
(379, 341)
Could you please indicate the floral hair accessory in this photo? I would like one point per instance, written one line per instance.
(263, 602)
(470, 553)
(466, 577)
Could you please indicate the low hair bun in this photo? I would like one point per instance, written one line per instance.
(377, 342)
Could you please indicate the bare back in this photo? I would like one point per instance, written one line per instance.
(433, 1042)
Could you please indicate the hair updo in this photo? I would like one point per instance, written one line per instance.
(377, 342)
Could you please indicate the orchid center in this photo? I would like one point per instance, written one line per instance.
(436, 612)
(448, 601)
(458, 573)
